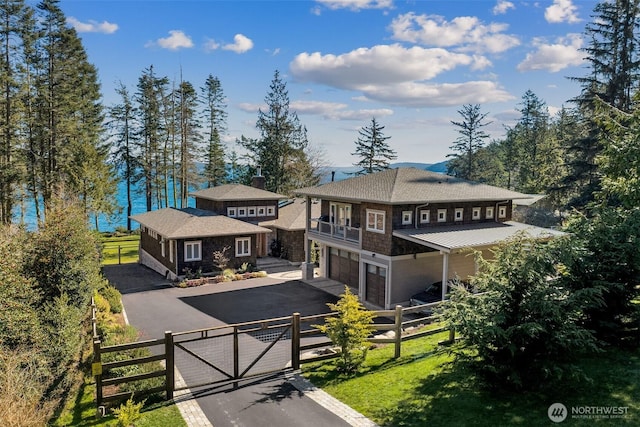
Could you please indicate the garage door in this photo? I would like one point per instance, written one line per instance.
(344, 266)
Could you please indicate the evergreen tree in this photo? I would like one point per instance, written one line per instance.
(613, 75)
(372, 149)
(123, 126)
(282, 142)
(215, 117)
(471, 140)
(189, 131)
(531, 130)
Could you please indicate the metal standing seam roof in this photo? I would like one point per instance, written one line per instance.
(448, 238)
(409, 186)
(293, 216)
(190, 223)
(228, 192)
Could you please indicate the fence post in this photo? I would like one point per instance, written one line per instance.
(170, 380)
(398, 331)
(452, 335)
(295, 341)
(236, 357)
(94, 320)
(119, 247)
(96, 370)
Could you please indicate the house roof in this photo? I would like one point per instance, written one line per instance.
(408, 186)
(448, 238)
(228, 192)
(190, 223)
(293, 215)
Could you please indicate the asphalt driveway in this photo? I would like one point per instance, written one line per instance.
(153, 307)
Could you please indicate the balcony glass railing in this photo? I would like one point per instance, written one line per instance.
(341, 232)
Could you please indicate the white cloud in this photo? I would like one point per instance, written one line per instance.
(176, 40)
(416, 94)
(211, 44)
(556, 56)
(92, 26)
(562, 11)
(381, 64)
(502, 6)
(464, 33)
(356, 4)
(336, 111)
(241, 44)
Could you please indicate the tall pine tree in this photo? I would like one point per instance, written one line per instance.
(215, 124)
(372, 149)
(472, 137)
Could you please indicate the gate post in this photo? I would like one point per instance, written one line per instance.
(96, 368)
(170, 369)
(398, 331)
(236, 356)
(295, 341)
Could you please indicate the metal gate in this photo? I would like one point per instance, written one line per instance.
(231, 352)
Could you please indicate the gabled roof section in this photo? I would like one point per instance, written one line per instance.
(409, 186)
(189, 223)
(229, 192)
(293, 216)
(448, 238)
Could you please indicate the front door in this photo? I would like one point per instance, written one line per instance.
(376, 280)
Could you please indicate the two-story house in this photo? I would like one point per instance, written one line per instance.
(390, 234)
(174, 241)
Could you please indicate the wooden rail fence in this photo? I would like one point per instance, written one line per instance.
(304, 338)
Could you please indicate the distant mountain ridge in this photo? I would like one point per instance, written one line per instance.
(344, 172)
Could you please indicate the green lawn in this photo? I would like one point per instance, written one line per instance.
(82, 412)
(423, 388)
(128, 249)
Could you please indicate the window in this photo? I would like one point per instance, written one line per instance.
(243, 246)
(232, 212)
(459, 214)
(375, 221)
(489, 212)
(251, 211)
(261, 210)
(442, 215)
(502, 212)
(407, 217)
(425, 216)
(242, 212)
(192, 251)
(475, 213)
(271, 211)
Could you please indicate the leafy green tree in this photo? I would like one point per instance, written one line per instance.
(215, 118)
(464, 163)
(372, 149)
(525, 324)
(282, 143)
(349, 330)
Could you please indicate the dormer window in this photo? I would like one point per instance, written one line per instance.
(425, 216)
(242, 212)
(232, 212)
(459, 214)
(407, 217)
(251, 211)
(271, 211)
(489, 212)
(476, 213)
(502, 212)
(261, 210)
(442, 215)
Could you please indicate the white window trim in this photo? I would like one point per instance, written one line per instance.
(476, 213)
(502, 212)
(242, 212)
(375, 222)
(252, 208)
(261, 210)
(232, 212)
(425, 216)
(442, 211)
(271, 210)
(170, 250)
(197, 243)
(458, 215)
(163, 251)
(407, 217)
(489, 212)
(248, 246)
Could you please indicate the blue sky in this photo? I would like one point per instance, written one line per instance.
(410, 64)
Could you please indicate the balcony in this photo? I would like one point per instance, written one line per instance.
(329, 230)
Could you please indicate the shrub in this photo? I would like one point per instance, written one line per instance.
(111, 294)
(525, 324)
(128, 413)
(349, 330)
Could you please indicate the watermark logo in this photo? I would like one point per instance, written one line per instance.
(557, 412)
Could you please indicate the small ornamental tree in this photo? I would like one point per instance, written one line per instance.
(349, 330)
